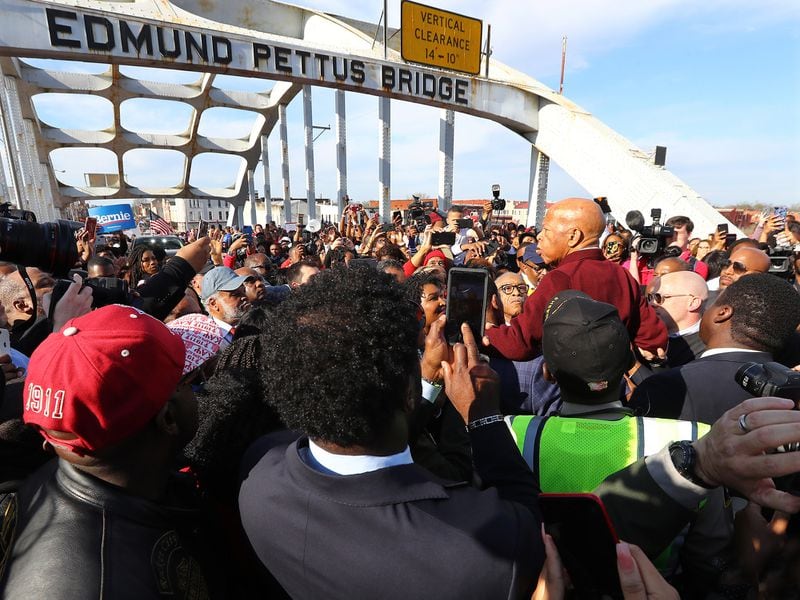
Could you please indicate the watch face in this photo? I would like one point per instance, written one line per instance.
(680, 457)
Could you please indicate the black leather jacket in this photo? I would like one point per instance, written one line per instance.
(69, 536)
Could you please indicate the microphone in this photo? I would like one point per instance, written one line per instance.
(634, 220)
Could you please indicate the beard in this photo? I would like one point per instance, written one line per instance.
(233, 314)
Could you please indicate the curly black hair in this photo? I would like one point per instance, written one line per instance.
(234, 410)
(766, 311)
(340, 353)
(253, 322)
(417, 282)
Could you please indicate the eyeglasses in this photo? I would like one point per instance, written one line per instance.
(657, 298)
(738, 268)
(508, 289)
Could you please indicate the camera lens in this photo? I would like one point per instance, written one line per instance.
(648, 246)
(47, 246)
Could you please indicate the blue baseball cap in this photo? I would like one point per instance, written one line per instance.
(531, 255)
(221, 279)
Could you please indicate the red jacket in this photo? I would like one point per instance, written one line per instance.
(587, 271)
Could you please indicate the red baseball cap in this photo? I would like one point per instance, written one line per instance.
(102, 377)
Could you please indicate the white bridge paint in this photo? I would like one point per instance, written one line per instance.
(600, 160)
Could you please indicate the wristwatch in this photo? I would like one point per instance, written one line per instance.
(684, 457)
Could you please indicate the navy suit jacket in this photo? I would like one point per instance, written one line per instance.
(398, 532)
(701, 390)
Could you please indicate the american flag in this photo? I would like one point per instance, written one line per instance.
(159, 225)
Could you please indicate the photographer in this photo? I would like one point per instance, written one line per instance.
(426, 255)
(241, 247)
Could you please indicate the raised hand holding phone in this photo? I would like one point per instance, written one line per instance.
(472, 386)
(467, 298)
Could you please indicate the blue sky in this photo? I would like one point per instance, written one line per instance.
(717, 83)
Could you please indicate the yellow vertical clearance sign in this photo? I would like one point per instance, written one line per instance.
(440, 38)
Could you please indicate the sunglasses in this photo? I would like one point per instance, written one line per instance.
(738, 268)
(657, 298)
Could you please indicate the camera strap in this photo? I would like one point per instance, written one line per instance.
(23, 272)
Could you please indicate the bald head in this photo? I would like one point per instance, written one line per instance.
(583, 214)
(684, 282)
(744, 260)
(570, 225)
(678, 299)
(255, 260)
(670, 265)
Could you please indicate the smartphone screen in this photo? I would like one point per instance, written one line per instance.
(202, 229)
(90, 225)
(467, 291)
(586, 541)
(781, 212)
(443, 238)
(465, 223)
(722, 227)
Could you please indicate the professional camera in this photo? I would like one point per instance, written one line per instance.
(650, 239)
(774, 379)
(416, 214)
(498, 203)
(419, 213)
(105, 291)
(769, 379)
(48, 246)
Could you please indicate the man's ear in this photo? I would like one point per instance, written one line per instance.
(495, 302)
(575, 237)
(696, 304)
(721, 312)
(23, 305)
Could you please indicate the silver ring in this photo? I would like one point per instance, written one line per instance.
(743, 423)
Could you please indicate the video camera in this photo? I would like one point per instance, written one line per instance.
(650, 239)
(418, 213)
(47, 246)
(769, 379)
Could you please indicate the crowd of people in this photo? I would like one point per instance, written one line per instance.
(273, 413)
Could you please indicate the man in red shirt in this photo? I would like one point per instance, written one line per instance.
(569, 241)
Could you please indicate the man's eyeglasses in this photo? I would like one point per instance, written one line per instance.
(738, 268)
(508, 289)
(657, 298)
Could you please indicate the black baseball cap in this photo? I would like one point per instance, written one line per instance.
(586, 347)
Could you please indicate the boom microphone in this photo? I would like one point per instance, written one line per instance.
(634, 220)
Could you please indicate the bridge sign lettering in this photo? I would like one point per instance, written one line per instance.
(440, 38)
